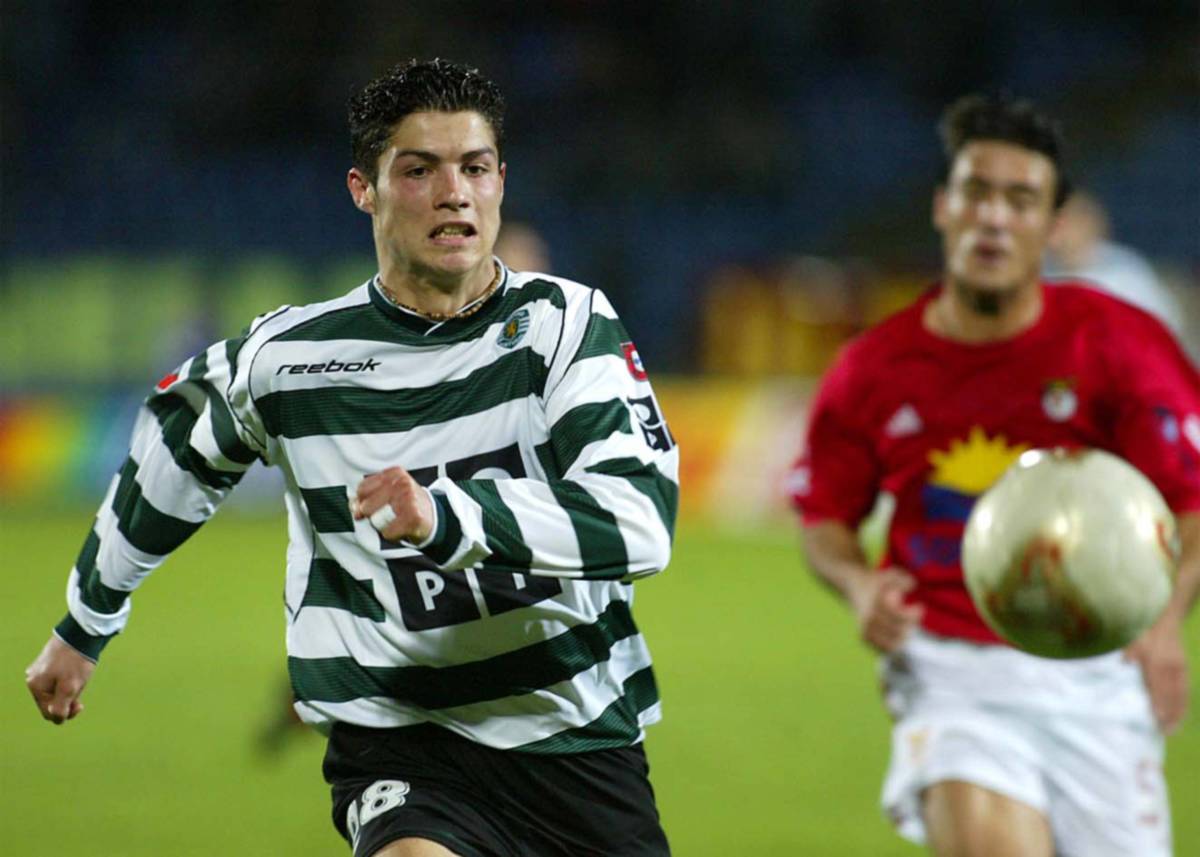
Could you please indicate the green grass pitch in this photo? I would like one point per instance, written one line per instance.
(773, 741)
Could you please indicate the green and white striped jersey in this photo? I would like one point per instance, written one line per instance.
(554, 477)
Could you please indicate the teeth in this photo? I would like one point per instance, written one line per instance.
(451, 230)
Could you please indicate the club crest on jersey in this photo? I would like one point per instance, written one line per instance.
(514, 329)
(633, 361)
(1059, 401)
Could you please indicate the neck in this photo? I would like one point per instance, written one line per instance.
(966, 314)
(432, 294)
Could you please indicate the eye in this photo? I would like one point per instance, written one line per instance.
(475, 169)
(975, 191)
(1021, 200)
(416, 172)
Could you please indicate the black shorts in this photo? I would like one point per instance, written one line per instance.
(428, 782)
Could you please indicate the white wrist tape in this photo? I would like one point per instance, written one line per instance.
(382, 517)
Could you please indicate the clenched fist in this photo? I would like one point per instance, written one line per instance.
(56, 679)
(396, 506)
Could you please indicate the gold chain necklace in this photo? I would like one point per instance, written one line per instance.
(469, 310)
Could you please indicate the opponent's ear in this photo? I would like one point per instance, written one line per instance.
(938, 212)
(362, 190)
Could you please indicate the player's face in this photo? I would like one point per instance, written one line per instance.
(436, 201)
(995, 214)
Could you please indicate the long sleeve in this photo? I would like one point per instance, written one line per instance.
(195, 435)
(606, 509)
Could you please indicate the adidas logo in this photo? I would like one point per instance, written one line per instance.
(906, 421)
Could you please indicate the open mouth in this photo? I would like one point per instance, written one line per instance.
(990, 252)
(452, 230)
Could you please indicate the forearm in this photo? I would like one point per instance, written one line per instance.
(154, 504)
(1187, 583)
(612, 523)
(837, 559)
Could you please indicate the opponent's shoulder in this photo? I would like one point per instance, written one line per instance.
(884, 343)
(1080, 304)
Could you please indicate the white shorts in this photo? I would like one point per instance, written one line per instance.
(1075, 740)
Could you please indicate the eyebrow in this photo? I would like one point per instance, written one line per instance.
(1020, 187)
(437, 159)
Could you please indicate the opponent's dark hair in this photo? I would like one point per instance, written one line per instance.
(411, 87)
(1010, 120)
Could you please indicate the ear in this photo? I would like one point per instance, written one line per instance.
(362, 191)
(938, 215)
(503, 171)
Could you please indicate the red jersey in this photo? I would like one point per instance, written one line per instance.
(935, 423)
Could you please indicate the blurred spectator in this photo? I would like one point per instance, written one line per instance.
(1081, 248)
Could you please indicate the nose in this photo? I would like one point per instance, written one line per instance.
(451, 189)
(993, 211)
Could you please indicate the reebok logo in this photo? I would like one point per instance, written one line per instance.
(332, 366)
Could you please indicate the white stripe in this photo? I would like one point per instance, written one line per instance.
(512, 721)
(325, 632)
(96, 624)
(322, 460)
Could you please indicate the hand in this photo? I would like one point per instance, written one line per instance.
(884, 620)
(56, 679)
(1159, 652)
(411, 516)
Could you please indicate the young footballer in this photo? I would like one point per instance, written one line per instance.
(476, 469)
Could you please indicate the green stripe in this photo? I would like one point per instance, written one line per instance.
(617, 726)
(511, 674)
(504, 539)
(144, 526)
(176, 419)
(449, 531)
(328, 509)
(602, 336)
(585, 424)
(228, 440)
(339, 409)
(72, 633)
(232, 347)
(93, 592)
(648, 479)
(330, 585)
(601, 545)
(199, 367)
(366, 322)
(548, 460)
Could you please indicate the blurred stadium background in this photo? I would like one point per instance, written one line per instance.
(749, 184)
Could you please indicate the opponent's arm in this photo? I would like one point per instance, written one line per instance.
(833, 484)
(1160, 651)
(188, 450)
(875, 597)
(1155, 402)
(607, 508)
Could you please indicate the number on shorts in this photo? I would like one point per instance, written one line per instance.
(375, 800)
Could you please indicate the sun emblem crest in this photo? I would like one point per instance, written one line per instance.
(514, 329)
(972, 466)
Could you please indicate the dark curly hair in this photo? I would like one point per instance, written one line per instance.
(1009, 120)
(412, 87)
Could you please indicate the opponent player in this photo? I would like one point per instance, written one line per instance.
(996, 752)
(476, 468)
